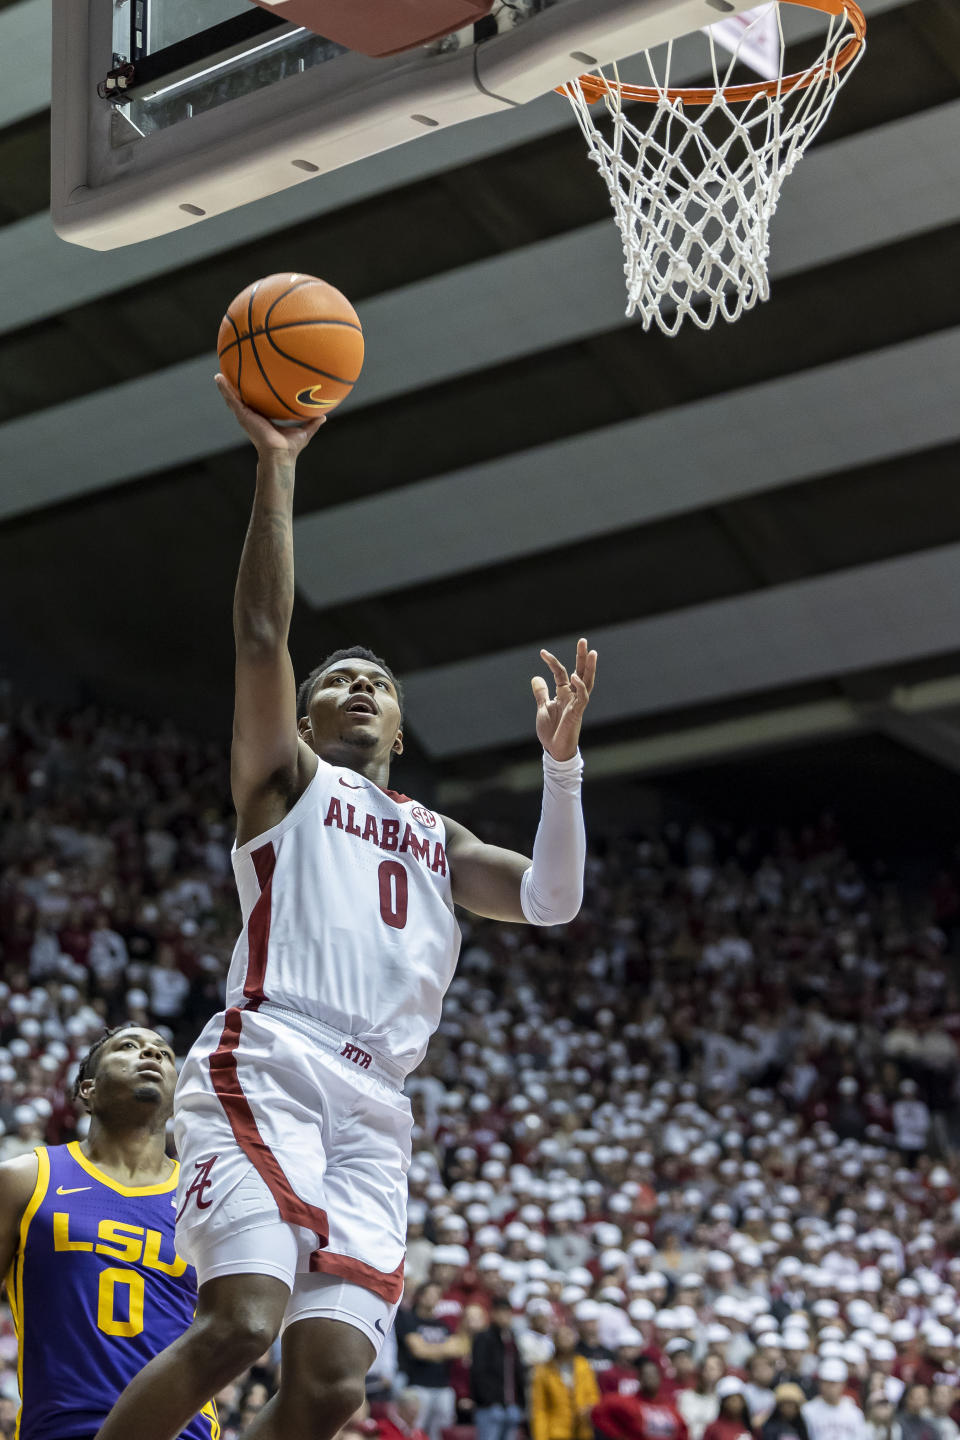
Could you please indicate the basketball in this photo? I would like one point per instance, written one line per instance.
(291, 345)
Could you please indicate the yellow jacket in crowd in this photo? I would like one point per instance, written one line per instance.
(558, 1411)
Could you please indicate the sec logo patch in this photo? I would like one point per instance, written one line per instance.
(424, 817)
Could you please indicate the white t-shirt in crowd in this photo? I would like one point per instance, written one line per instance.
(698, 1411)
(911, 1122)
(843, 1421)
(168, 991)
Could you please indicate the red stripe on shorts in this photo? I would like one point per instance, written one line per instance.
(226, 1083)
(355, 1272)
(258, 928)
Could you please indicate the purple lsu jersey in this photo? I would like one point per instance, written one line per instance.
(96, 1289)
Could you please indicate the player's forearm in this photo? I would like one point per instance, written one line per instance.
(451, 1349)
(551, 891)
(263, 600)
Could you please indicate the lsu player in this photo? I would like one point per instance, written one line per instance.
(291, 1121)
(87, 1240)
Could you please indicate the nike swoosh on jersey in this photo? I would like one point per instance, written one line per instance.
(378, 1326)
(349, 786)
(73, 1190)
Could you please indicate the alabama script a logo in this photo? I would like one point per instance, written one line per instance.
(199, 1184)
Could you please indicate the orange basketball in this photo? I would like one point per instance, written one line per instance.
(292, 346)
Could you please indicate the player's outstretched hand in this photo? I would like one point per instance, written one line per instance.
(269, 439)
(559, 719)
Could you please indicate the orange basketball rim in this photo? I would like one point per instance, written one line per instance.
(595, 87)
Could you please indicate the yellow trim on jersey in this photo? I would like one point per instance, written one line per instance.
(163, 1188)
(15, 1273)
(209, 1412)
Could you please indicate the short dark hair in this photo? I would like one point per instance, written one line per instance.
(351, 652)
(90, 1061)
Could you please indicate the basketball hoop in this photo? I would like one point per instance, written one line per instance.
(693, 193)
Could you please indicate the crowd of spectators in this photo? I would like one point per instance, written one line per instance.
(685, 1169)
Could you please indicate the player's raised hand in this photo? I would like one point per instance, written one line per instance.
(270, 439)
(559, 719)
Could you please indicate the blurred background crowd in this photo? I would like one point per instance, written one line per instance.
(686, 1169)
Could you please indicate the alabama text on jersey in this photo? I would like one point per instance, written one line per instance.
(348, 915)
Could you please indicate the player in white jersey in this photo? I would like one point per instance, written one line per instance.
(292, 1126)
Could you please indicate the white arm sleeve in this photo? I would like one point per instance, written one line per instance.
(551, 891)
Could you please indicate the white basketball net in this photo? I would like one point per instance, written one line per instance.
(693, 187)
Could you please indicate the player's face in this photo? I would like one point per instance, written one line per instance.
(354, 710)
(136, 1065)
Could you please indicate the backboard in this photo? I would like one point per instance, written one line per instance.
(213, 118)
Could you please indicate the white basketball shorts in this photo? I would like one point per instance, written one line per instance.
(294, 1145)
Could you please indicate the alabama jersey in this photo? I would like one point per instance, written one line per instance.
(348, 915)
(96, 1289)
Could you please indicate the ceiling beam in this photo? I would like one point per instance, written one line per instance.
(25, 44)
(863, 618)
(902, 717)
(744, 442)
(934, 737)
(942, 693)
(481, 315)
(674, 749)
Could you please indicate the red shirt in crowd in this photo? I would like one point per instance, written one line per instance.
(906, 1366)
(75, 942)
(636, 1417)
(391, 1426)
(724, 1429)
(618, 1380)
(933, 1372)
(468, 1291)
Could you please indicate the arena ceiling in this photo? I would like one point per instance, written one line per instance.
(759, 526)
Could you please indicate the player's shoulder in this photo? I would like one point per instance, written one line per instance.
(18, 1181)
(458, 838)
(20, 1173)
